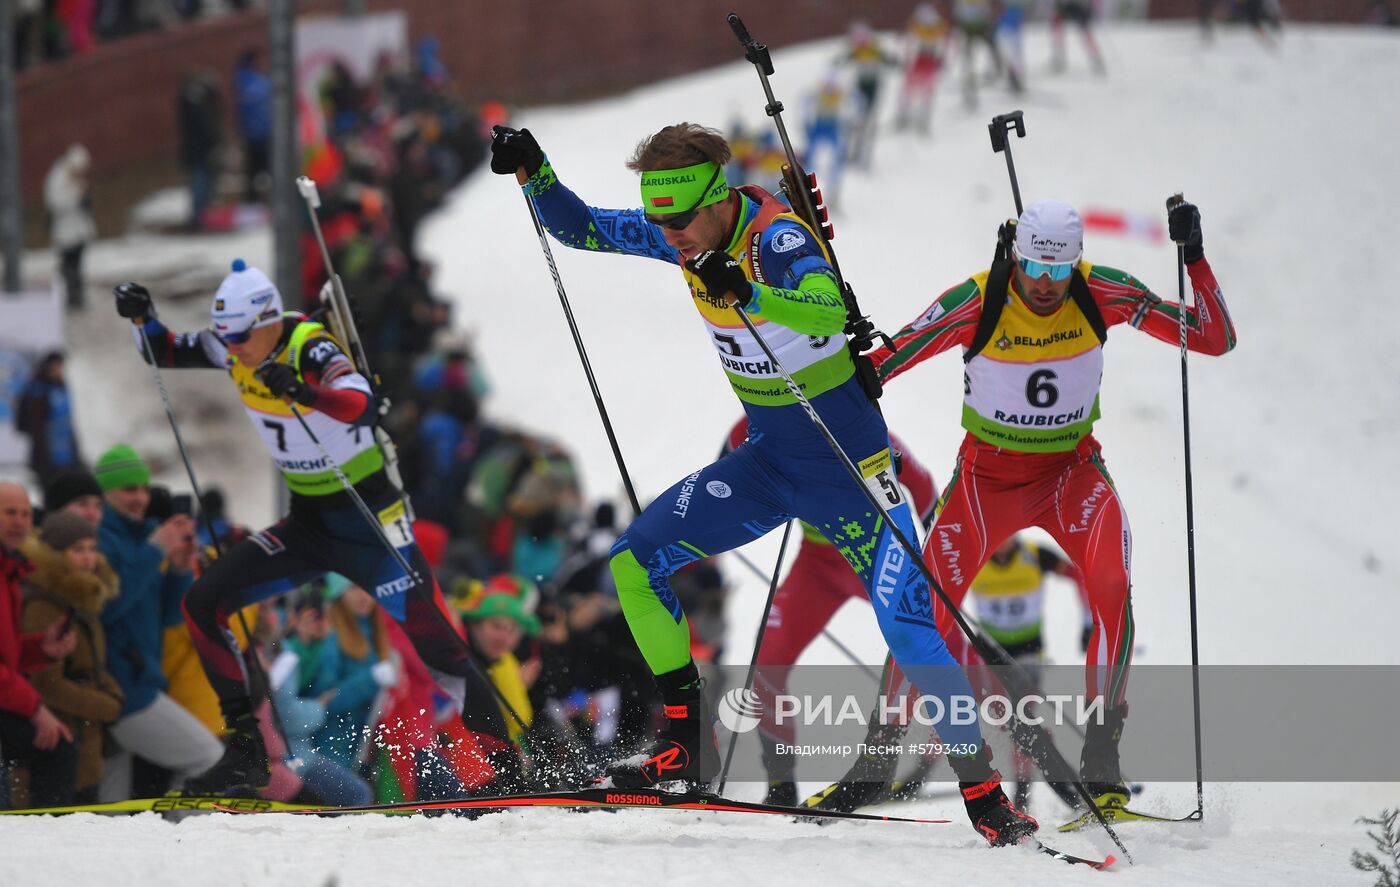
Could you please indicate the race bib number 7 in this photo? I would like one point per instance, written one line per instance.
(878, 472)
(394, 520)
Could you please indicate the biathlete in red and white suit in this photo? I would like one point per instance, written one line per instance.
(1031, 397)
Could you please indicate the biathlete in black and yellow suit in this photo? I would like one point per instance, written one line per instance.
(280, 362)
(741, 249)
(1030, 399)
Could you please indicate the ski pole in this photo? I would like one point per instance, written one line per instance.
(404, 565)
(251, 666)
(1172, 202)
(582, 351)
(913, 553)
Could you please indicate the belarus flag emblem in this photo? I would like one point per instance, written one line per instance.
(662, 201)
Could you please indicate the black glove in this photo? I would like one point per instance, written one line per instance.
(1084, 636)
(282, 381)
(134, 301)
(1184, 224)
(512, 149)
(721, 274)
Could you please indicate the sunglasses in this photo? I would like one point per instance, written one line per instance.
(681, 220)
(1057, 270)
(235, 338)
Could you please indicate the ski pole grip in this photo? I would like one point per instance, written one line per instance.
(737, 25)
(755, 52)
(1004, 123)
(1173, 202)
(307, 187)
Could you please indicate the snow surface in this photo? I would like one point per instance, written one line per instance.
(1290, 156)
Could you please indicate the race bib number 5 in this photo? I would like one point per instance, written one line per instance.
(394, 520)
(878, 472)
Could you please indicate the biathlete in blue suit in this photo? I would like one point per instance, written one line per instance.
(741, 249)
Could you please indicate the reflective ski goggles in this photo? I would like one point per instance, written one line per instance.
(1057, 270)
(235, 338)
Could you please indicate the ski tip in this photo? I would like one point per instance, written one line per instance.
(1110, 860)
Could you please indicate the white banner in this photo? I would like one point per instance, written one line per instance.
(357, 43)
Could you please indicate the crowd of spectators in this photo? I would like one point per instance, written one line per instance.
(50, 30)
(101, 694)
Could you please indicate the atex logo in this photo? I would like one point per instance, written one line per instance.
(398, 586)
(891, 568)
(740, 709)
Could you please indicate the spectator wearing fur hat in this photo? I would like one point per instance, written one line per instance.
(72, 579)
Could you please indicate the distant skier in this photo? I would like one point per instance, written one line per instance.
(976, 22)
(1079, 13)
(926, 46)
(1032, 332)
(741, 249)
(829, 118)
(869, 59)
(1011, 38)
(282, 362)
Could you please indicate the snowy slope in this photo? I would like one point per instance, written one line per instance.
(1294, 438)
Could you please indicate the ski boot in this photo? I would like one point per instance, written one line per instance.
(987, 805)
(242, 770)
(869, 778)
(782, 787)
(686, 748)
(1098, 762)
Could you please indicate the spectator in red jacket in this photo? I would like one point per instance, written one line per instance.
(30, 734)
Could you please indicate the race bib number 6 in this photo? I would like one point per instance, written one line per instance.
(394, 520)
(878, 472)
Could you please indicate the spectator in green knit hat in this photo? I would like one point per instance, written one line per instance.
(121, 467)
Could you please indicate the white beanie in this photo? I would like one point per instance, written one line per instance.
(1050, 231)
(246, 300)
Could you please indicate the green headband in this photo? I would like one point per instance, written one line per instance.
(682, 190)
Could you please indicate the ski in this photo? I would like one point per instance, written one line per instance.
(170, 804)
(1071, 859)
(1120, 814)
(599, 798)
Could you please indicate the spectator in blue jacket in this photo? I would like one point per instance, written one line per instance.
(154, 563)
(252, 94)
(45, 414)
